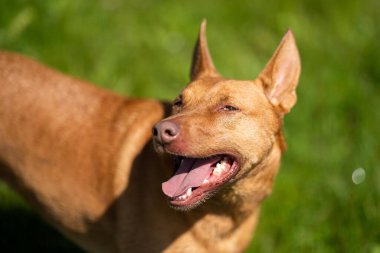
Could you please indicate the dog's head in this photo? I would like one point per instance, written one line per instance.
(221, 129)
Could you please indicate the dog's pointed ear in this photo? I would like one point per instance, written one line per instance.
(280, 75)
(202, 65)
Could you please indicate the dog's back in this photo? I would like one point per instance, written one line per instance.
(62, 144)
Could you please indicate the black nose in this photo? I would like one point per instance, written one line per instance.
(165, 132)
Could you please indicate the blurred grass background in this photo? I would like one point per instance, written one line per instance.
(143, 48)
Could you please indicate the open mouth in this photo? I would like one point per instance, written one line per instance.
(196, 179)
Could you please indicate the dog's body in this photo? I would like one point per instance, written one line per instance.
(83, 158)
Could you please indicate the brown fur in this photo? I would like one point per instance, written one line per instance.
(83, 158)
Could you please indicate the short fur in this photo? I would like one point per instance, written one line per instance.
(83, 156)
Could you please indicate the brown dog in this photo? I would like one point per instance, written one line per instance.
(83, 158)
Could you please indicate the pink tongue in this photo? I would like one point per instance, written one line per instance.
(191, 173)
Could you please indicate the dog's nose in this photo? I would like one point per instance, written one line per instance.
(165, 131)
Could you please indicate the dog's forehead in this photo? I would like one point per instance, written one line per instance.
(224, 89)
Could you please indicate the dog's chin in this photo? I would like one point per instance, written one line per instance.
(216, 173)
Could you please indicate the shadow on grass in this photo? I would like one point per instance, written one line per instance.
(22, 230)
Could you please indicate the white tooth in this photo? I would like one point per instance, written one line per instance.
(189, 192)
(217, 171)
(205, 181)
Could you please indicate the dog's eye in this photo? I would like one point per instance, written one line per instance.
(178, 102)
(229, 108)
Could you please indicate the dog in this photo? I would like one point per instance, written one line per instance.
(117, 174)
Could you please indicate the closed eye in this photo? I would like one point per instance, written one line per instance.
(229, 108)
(178, 102)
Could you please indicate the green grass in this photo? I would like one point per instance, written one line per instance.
(143, 48)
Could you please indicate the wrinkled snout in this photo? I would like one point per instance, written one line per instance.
(165, 132)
